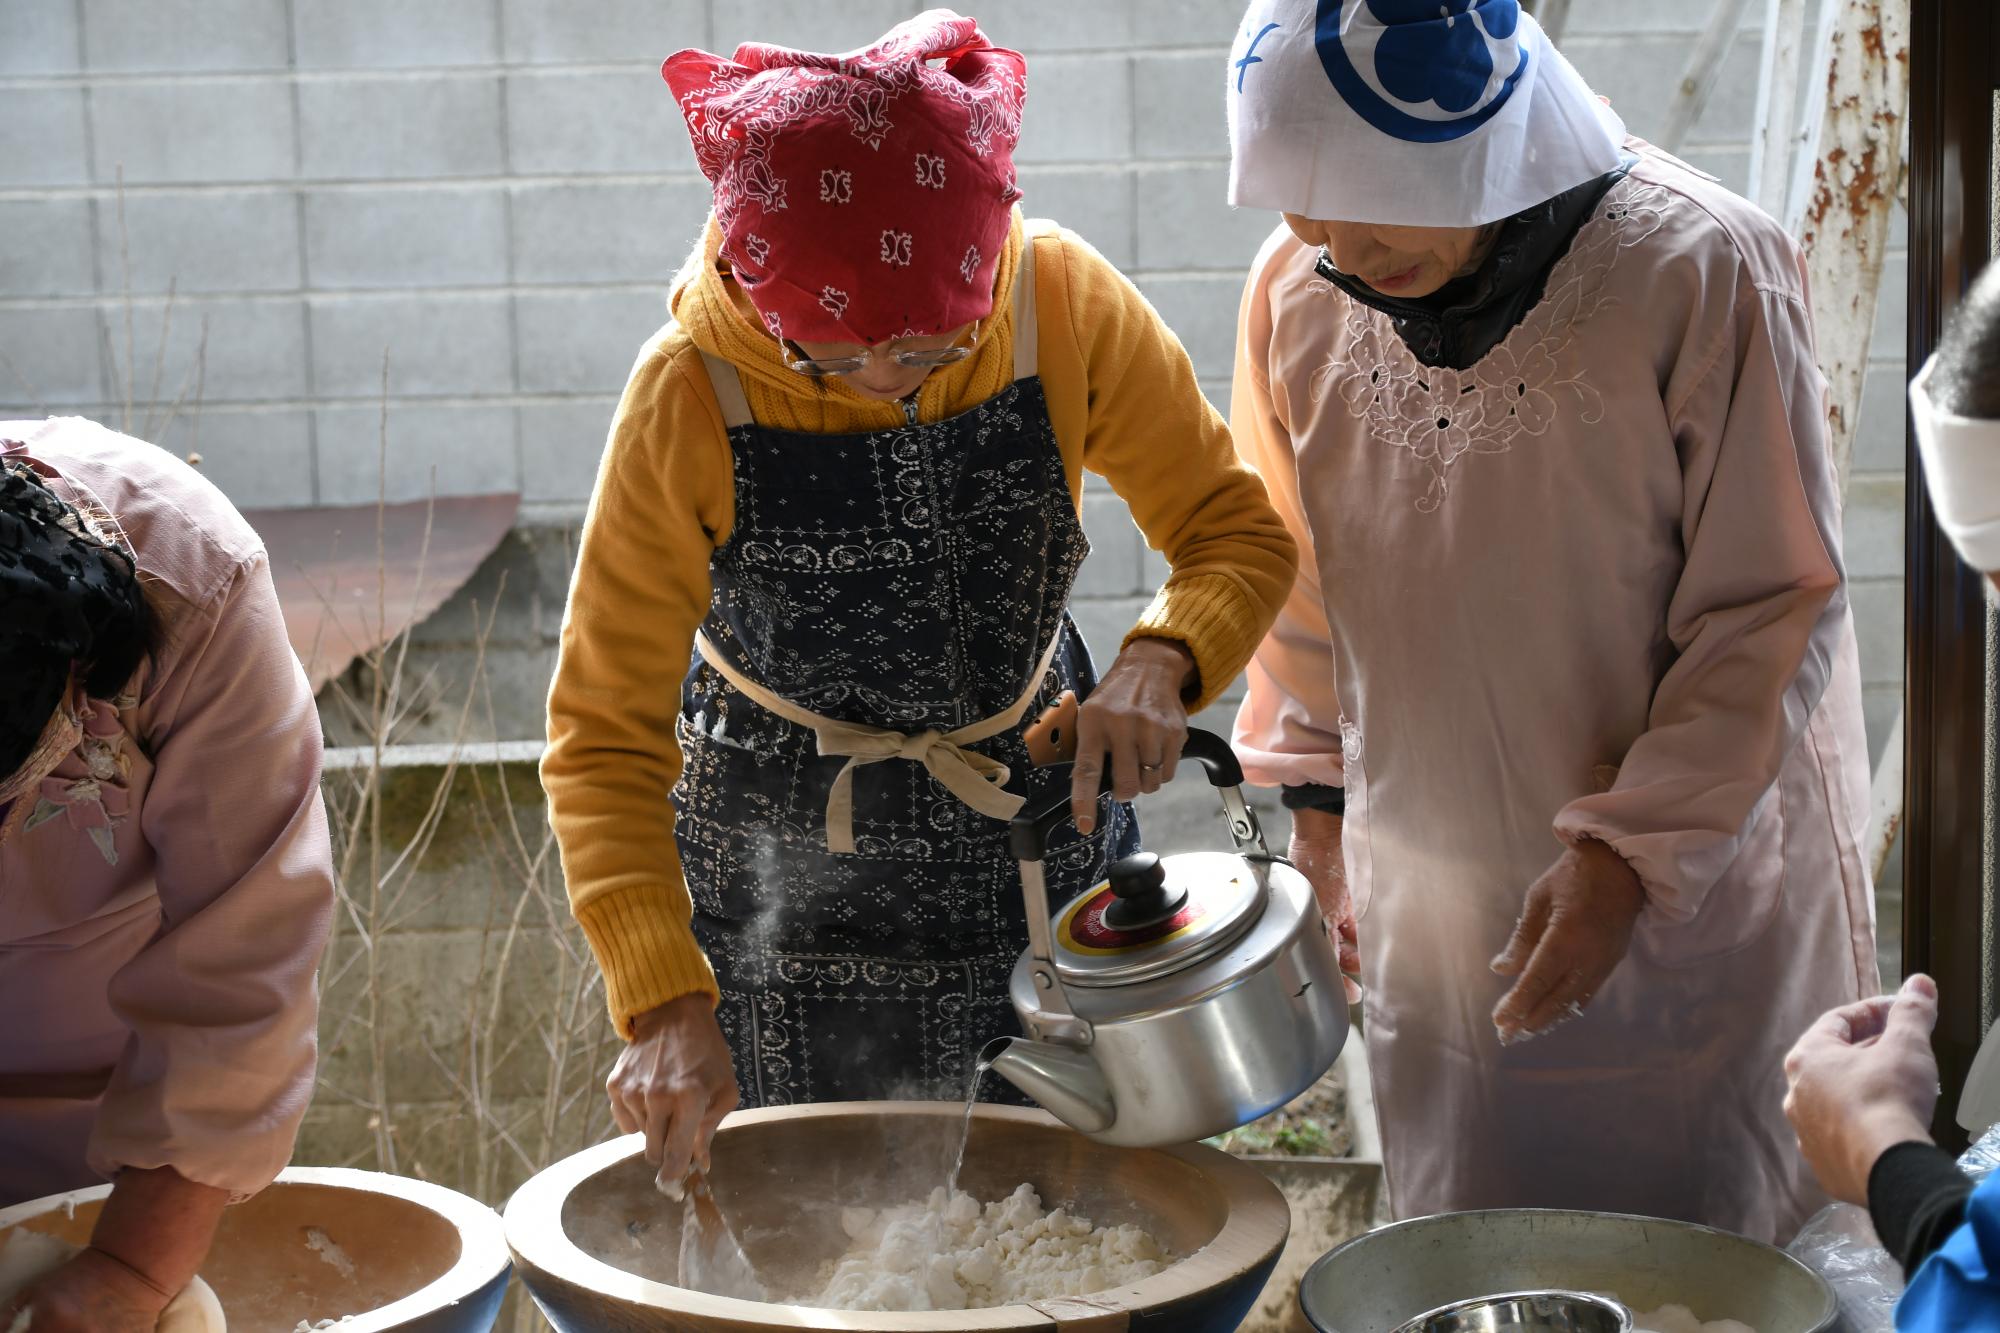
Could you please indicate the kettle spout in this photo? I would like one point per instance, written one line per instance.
(1065, 1080)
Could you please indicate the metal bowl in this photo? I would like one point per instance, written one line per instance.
(1382, 1280)
(1527, 1312)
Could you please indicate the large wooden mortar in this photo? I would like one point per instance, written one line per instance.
(322, 1242)
(599, 1247)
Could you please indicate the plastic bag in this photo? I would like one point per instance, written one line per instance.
(1982, 1157)
(1840, 1244)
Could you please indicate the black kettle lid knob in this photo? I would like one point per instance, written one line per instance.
(1142, 899)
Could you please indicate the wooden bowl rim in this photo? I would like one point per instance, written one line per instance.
(1829, 1304)
(482, 1239)
(1258, 1220)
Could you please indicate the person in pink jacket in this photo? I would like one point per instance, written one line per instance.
(1566, 697)
(166, 882)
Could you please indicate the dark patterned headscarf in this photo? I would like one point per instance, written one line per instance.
(70, 602)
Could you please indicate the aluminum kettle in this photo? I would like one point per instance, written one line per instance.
(1183, 997)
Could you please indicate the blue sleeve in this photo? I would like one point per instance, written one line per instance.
(1957, 1290)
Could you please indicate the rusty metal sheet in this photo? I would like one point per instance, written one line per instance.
(353, 577)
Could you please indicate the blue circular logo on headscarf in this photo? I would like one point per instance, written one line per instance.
(1426, 71)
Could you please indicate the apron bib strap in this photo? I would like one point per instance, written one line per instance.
(1027, 332)
(729, 394)
(976, 779)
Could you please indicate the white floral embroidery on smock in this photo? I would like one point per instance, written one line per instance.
(1518, 388)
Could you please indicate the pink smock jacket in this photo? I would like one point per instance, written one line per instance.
(166, 892)
(1588, 588)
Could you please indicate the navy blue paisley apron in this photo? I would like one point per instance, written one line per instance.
(909, 580)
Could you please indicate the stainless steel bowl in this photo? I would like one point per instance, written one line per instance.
(1527, 1312)
(1382, 1280)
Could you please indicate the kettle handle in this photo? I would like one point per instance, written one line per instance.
(1028, 833)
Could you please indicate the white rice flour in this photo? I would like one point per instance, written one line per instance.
(956, 1255)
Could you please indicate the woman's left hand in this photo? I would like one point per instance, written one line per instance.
(1138, 718)
(1573, 933)
(92, 1293)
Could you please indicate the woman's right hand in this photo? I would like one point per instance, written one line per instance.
(92, 1293)
(1317, 853)
(1862, 1080)
(675, 1081)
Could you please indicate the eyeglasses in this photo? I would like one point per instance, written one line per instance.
(915, 358)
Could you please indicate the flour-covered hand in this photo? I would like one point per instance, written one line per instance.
(92, 1293)
(675, 1081)
(1136, 721)
(1574, 930)
(1862, 1080)
(1317, 852)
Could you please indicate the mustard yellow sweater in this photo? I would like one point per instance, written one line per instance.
(1124, 403)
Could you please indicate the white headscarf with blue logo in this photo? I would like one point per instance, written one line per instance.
(1420, 113)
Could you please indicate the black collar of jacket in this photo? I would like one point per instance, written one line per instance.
(1466, 318)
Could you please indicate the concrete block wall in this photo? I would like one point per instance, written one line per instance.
(490, 195)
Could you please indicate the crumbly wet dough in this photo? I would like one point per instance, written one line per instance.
(1680, 1319)
(957, 1255)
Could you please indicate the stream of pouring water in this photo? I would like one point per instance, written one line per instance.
(965, 1133)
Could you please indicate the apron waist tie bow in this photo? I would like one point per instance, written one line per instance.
(975, 779)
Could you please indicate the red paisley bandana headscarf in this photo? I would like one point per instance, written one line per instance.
(866, 196)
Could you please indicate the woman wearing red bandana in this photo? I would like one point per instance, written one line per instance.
(840, 506)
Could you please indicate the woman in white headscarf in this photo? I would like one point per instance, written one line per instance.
(1567, 689)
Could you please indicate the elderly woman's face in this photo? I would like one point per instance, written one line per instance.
(1405, 262)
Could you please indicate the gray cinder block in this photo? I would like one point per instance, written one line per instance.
(589, 232)
(260, 457)
(1190, 224)
(428, 127)
(193, 131)
(49, 356)
(201, 241)
(1113, 567)
(433, 449)
(406, 238)
(39, 38)
(1201, 310)
(644, 31)
(42, 139)
(206, 350)
(565, 123)
(1079, 109)
(1177, 103)
(1096, 204)
(584, 342)
(179, 36)
(811, 25)
(441, 344)
(562, 444)
(48, 248)
(391, 34)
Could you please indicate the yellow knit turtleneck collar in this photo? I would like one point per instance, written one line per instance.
(715, 314)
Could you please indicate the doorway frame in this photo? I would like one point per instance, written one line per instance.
(1948, 916)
